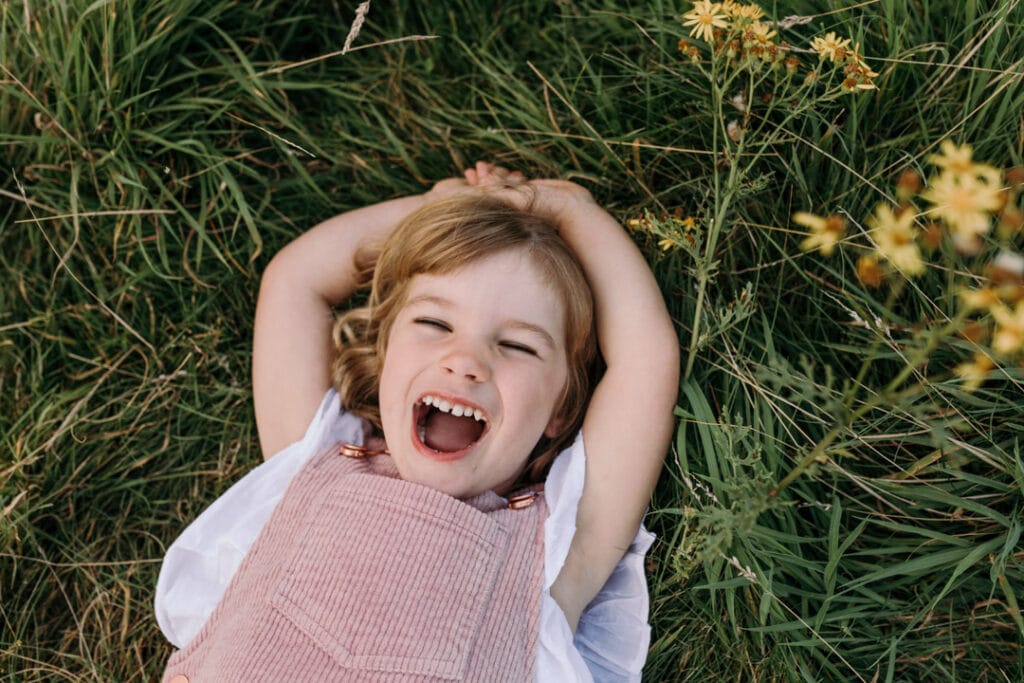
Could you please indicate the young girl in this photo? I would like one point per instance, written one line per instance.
(410, 538)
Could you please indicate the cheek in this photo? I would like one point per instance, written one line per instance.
(390, 361)
(389, 389)
(557, 408)
(558, 383)
(545, 394)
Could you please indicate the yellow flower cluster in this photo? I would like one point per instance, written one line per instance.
(826, 232)
(964, 195)
(704, 18)
(964, 200)
(839, 51)
(732, 27)
(736, 30)
(894, 234)
(831, 47)
(1000, 307)
(670, 229)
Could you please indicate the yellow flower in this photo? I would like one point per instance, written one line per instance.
(638, 223)
(666, 244)
(965, 202)
(859, 75)
(738, 11)
(854, 58)
(894, 237)
(826, 231)
(954, 158)
(704, 18)
(760, 33)
(908, 185)
(975, 372)
(1009, 334)
(983, 299)
(869, 272)
(851, 84)
(831, 46)
(932, 236)
(974, 332)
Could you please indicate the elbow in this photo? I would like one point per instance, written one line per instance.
(664, 347)
(287, 278)
(274, 276)
(665, 373)
(668, 343)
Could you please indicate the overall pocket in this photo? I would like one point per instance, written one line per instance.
(391, 576)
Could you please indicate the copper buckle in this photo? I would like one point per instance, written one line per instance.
(350, 450)
(523, 500)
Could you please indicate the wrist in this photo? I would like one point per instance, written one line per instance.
(562, 202)
(582, 223)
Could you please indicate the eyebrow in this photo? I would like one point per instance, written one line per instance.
(514, 324)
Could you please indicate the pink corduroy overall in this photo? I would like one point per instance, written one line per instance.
(360, 576)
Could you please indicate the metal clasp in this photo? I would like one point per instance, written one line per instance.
(350, 450)
(524, 500)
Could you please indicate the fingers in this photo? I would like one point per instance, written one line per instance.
(486, 173)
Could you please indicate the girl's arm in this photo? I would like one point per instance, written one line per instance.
(292, 348)
(629, 421)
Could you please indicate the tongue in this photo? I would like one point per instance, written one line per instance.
(447, 433)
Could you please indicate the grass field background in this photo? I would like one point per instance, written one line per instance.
(157, 154)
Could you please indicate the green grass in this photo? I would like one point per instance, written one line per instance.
(157, 154)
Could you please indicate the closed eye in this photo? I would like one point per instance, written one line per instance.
(516, 346)
(433, 322)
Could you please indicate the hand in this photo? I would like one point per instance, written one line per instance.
(559, 201)
(487, 174)
(446, 187)
(483, 175)
(556, 200)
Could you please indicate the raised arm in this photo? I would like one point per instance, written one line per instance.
(292, 347)
(629, 421)
(628, 424)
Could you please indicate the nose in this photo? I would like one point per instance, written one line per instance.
(468, 362)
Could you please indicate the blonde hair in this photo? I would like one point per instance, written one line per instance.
(440, 238)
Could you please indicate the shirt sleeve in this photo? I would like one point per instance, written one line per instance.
(201, 562)
(613, 636)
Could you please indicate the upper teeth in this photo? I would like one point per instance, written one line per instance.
(456, 409)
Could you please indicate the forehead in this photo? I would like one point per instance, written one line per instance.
(504, 285)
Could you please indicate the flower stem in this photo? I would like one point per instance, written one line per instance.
(888, 396)
(722, 200)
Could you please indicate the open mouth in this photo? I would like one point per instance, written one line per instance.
(447, 427)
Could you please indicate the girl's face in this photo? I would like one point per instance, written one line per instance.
(472, 376)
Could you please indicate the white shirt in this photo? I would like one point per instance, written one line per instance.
(612, 636)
